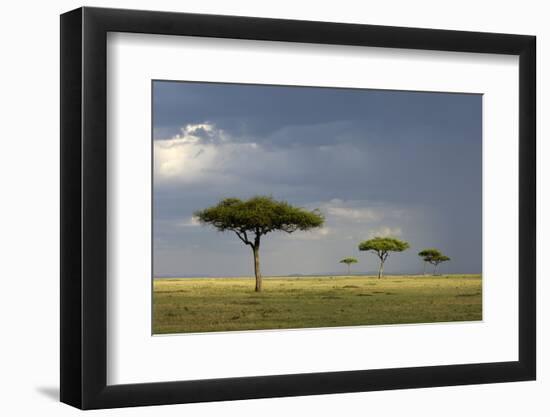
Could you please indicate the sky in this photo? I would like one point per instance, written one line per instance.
(375, 162)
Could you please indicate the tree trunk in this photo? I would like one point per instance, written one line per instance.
(435, 268)
(380, 269)
(349, 269)
(257, 273)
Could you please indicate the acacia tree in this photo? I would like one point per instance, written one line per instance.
(434, 257)
(258, 216)
(348, 262)
(437, 260)
(428, 255)
(381, 247)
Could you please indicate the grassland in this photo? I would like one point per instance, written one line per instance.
(207, 305)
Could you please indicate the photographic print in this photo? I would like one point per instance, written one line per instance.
(291, 207)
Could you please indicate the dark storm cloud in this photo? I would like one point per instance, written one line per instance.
(262, 110)
(349, 152)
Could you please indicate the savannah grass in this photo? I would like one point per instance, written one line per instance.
(182, 305)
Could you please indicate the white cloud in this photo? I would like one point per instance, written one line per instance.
(315, 234)
(187, 154)
(357, 220)
(205, 154)
(356, 214)
(201, 132)
(352, 211)
(385, 231)
(190, 222)
(202, 153)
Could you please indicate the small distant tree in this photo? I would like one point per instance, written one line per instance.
(348, 262)
(258, 216)
(434, 257)
(437, 260)
(428, 255)
(382, 247)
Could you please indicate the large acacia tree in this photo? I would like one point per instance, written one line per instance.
(382, 247)
(258, 216)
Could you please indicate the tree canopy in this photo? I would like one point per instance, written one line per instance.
(384, 245)
(348, 261)
(258, 215)
(251, 219)
(442, 258)
(429, 254)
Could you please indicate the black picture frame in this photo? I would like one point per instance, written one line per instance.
(84, 208)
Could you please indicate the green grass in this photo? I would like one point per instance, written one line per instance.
(208, 305)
